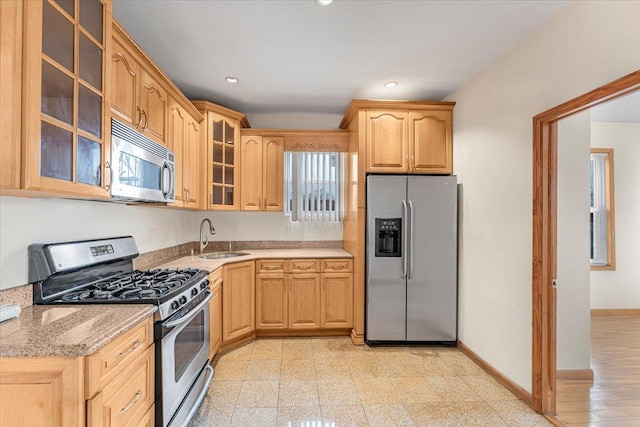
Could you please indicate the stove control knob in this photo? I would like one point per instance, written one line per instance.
(182, 300)
(175, 305)
(194, 292)
(204, 284)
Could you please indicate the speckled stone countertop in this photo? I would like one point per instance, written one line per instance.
(213, 264)
(68, 330)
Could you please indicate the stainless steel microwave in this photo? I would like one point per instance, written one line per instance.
(141, 170)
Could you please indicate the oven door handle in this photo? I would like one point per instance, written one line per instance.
(192, 313)
(200, 398)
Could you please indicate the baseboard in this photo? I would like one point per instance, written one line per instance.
(575, 374)
(356, 339)
(614, 311)
(554, 420)
(508, 383)
(283, 333)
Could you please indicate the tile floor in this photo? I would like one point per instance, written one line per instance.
(328, 382)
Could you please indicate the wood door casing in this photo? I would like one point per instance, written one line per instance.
(336, 304)
(153, 103)
(251, 173)
(304, 301)
(272, 173)
(125, 81)
(238, 300)
(387, 141)
(430, 144)
(271, 301)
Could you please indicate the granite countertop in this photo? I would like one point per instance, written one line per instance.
(68, 330)
(213, 264)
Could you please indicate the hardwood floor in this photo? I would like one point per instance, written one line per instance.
(613, 399)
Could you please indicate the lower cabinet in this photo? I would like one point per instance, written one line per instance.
(304, 301)
(272, 301)
(215, 312)
(336, 300)
(238, 300)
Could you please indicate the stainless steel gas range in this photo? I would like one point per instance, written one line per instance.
(101, 272)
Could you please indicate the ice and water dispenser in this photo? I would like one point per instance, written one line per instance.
(388, 232)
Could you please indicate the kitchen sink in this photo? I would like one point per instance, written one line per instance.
(220, 255)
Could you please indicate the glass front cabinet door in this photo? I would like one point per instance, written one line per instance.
(66, 123)
(223, 166)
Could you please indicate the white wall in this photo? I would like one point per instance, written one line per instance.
(586, 45)
(295, 121)
(26, 221)
(574, 311)
(621, 288)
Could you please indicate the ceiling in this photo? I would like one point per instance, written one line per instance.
(625, 109)
(298, 56)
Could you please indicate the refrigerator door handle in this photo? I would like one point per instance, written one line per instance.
(404, 239)
(410, 243)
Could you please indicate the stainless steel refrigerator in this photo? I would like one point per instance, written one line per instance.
(411, 287)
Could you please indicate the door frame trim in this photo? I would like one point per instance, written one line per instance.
(544, 256)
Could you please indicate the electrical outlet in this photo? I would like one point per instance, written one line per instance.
(152, 235)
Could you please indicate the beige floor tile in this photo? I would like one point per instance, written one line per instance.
(388, 415)
(262, 370)
(326, 369)
(240, 353)
(328, 348)
(364, 369)
(298, 393)
(344, 416)
(477, 414)
(226, 370)
(432, 366)
(267, 349)
(423, 352)
(210, 417)
(222, 396)
(488, 388)
(453, 389)
(298, 369)
(398, 364)
(299, 416)
(516, 413)
(389, 349)
(254, 417)
(460, 363)
(258, 394)
(337, 392)
(433, 414)
(297, 349)
(376, 390)
(415, 390)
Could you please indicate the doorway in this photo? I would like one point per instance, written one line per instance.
(544, 254)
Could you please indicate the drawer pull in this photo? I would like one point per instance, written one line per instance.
(336, 266)
(270, 267)
(133, 402)
(135, 345)
(303, 267)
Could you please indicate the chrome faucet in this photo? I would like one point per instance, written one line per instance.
(204, 240)
(230, 250)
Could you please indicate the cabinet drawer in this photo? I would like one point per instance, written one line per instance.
(148, 420)
(215, 278)
(304, 266)
(342, 265)
(102, 366)
(270, 266)
(127, 399)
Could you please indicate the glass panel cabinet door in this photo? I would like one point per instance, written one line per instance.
(64, 70)
(223, 143)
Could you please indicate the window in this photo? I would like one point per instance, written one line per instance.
(314, 186)
(602, 210)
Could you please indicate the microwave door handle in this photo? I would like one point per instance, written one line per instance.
(166, 180)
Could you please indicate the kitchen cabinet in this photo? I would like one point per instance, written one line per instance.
(271, 301)
(304, 301)
(407, 141)
(184, 139)
(64, 115)
(238, 300)
(262, 170)
(336, 300)
(138, 97)
(222, 137)
(215, 312)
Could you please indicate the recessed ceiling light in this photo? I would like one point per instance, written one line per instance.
(231, 79)
(324, 2)
(391, 84)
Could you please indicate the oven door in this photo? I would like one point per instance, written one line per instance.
(184, 352)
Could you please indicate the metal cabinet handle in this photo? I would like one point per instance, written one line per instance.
(107, 165)
(139, 112)
(259, 203)
(133, 401)
(412, 165)
(144, 114)
(135, 345)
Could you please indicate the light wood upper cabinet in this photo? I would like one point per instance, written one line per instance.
(125, 81)
(177, 129)
(430, 143)
(262, 170)
(238, 300)
(271, 301)
(304, 301)
(153, 103)
(215, 312)
(336, 304)
(184, 139)
(387, 141)
(194, 149)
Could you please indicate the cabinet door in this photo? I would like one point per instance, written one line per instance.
(430, 142)
(215, 318)
(153, 103)
(272, 173)
(238, 300)
(125, 81)
(176, 131)
(386, 141)
(271, 301)
(336, 304)
(251, 173)
(223, 170)
(304, 301)
(193, 156)
(41, 392)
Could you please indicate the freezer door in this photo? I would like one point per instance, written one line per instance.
(385, 287)
(432, 275)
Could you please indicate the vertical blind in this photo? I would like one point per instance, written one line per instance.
(314, 186)
(598, 209)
